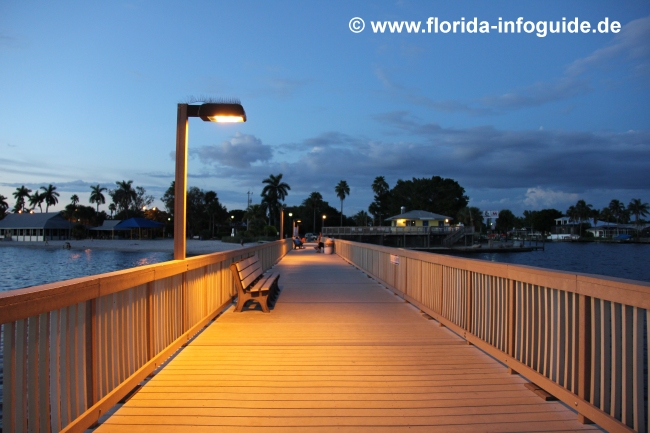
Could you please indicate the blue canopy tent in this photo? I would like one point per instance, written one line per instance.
(139, 223)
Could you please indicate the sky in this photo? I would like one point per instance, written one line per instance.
(89, 89)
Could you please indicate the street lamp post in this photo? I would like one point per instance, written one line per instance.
(209, 112)
(323, 225)
(281, 223)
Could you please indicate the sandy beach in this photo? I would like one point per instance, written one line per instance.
(194, 247)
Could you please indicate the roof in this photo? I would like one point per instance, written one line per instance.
(49, 220)
(419, 215)
(108, 225)
(143, 223)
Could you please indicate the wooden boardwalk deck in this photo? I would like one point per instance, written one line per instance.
(338, 353)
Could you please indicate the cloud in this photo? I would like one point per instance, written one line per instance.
(540, 198)
(630, 45)
(239, 152)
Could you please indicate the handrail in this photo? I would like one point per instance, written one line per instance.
(580, 337)
(392, 230)
(73, 349)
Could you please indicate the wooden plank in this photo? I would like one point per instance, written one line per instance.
(32, 374)
(9, 376)
(324, 362)
(43, 371)
(20, 393)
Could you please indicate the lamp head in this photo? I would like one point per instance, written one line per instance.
(218, 112)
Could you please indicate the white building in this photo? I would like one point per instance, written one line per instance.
(35, 227)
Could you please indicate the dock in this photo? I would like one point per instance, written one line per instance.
(338, 352)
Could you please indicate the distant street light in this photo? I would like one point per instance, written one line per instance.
(209, 112)
(324, 218)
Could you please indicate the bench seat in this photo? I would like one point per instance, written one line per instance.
(253, 285)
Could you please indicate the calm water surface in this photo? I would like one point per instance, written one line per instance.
(25, 267)
(631, 261)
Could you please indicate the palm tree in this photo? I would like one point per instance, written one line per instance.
(638, 209)
(381, 189)
(112, 208)
(618, 210)
(20, 194)
(96, 195)
(314, 201)
(74, 199)
(274, 192)
(37, 199)
(342, 190)
(361, 218)
(583, 210)
(50, 196)
(124, 195)
(3, 205)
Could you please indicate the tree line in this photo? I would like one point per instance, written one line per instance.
(207, 217)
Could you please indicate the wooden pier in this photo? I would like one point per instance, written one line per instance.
(339, 352)
(370, 339)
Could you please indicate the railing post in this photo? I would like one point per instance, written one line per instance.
(470, 307)
(149, 322)
(91, 353)
(584, 352)
(511, 328)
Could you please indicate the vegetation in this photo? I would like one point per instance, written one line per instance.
(36, 199)
(20, 195)
(471, 216)
(50, 196)
(342, 190)
(3, 206)
(379, 207)
(273, 194)
(96, 195)
(207, 217)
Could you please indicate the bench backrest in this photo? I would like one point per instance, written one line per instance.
(249, 270)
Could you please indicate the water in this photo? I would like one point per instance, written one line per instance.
(630, 261)
(24, 267)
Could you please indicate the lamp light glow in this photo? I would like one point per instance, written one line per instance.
(226, 119)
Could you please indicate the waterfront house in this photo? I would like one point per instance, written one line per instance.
(419, 218)
(35, 227)
(603, 229)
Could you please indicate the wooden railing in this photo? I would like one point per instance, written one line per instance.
(390, 230)
(73, 349)
(582, 338)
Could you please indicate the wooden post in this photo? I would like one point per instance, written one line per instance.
(468, 326)
(282, 224)
(180, 191)
(149, 322)
(92, 385)
(584, 351)
(512, 326)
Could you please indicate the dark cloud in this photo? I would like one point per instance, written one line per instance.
(239, 152)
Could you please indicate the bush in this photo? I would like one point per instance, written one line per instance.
(270, 231)
(78, 232)
(205, 235)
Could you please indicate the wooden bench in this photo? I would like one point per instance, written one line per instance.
(253, 284)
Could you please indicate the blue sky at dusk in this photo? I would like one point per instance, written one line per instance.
(89, 92)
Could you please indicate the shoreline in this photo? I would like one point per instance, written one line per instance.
(194, 247)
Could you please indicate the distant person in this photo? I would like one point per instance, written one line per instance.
(321, 245)
(241, 242)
